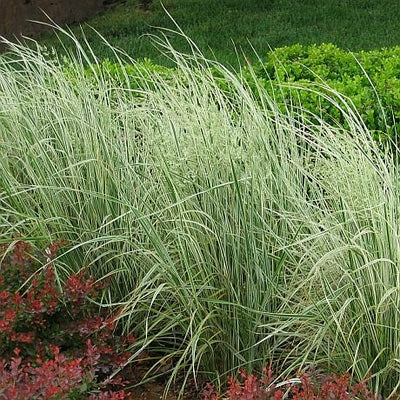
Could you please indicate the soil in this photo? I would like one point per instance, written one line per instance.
(154, 390)
(16, 16)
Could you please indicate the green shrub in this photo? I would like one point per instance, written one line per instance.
(135, 76)
(370, 79)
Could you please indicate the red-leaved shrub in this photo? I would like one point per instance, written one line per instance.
(54, 344)
(249, 387)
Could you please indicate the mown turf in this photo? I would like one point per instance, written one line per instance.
(216, 26)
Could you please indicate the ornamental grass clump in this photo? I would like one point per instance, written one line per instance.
(233, 232)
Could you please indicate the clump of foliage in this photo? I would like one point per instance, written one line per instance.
(302, 75)
(307, 387)
(53, 341)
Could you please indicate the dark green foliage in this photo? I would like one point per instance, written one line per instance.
(370, 79)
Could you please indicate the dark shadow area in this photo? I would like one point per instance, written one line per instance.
(17, 17)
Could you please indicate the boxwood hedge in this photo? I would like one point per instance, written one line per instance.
(370, 79)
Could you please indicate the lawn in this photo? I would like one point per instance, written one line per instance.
(225, 28)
